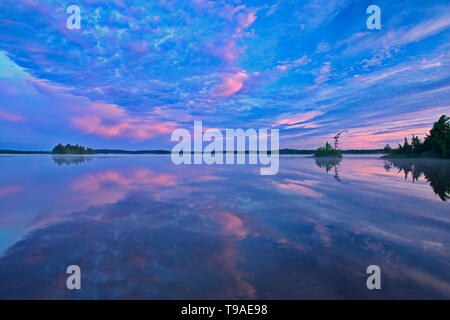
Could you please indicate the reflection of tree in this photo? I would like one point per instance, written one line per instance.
(436, 172)
(60, 160)
(328, 164)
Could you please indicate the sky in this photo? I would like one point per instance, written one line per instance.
(137, 70)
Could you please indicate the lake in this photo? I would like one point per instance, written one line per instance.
(140, 227)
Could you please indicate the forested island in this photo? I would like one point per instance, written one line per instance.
(328, 150)
(69, 149)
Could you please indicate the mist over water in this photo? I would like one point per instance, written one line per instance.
(141, 227)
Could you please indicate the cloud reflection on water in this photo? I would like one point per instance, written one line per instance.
(140, 227)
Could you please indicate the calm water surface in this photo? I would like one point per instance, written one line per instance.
(140, 227)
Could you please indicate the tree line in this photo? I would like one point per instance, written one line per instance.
(69, 149)
(435, 144)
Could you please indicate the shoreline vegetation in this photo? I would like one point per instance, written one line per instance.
(328, 151)
(435, 145)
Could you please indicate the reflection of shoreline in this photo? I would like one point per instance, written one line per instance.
(435, 171)
(69, 160)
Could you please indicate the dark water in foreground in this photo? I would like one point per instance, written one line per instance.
(141, 227)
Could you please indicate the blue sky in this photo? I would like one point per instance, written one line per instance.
(137, 70)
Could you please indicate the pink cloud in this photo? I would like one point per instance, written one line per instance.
(4, 191)
(299, 118)
(245, 20)
(323, 73)
(10, 117)
(229, 52)
(289, 64)
(110, 120)
(394, 131)
(139, 47)
(371, 139)
(305, 126)
(238, 17)
(126, 127)
(232, 83)
(426, 29)
(104, 119)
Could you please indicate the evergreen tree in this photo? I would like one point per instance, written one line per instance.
(327, 151)
(407, 149)
(69, 149)
(435, 144)
(417, 146)
(387, 148)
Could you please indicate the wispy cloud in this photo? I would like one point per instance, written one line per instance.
(7, 116)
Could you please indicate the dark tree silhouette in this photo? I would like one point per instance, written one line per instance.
(336, 139)
(69, 149)
(435, 144)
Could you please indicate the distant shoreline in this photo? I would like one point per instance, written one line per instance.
(119, 151)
